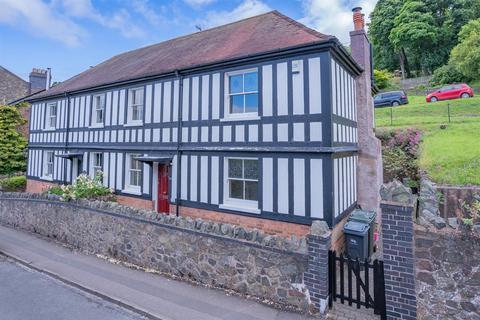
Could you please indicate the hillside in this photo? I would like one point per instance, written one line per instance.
(450, 155)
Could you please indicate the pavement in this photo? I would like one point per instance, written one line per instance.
(144, 293)
(26, 294)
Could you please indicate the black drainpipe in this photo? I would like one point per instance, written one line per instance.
(67, 123)
(179, 139)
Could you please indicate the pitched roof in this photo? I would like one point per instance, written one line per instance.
(262, 33)
(11, 86)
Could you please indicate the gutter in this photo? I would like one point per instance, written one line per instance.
(331, 43)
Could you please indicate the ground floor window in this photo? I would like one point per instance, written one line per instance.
(97, 162)
(133, 174)
(241, 182)
(48, 164)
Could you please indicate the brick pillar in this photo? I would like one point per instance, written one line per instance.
(316, 276)
(398, 260)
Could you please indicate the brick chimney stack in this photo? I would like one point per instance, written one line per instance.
(369, 170)
(40, 79)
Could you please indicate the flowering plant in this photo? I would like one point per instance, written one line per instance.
(84, 187)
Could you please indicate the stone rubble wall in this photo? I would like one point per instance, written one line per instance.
(447, 273)
(220, 255)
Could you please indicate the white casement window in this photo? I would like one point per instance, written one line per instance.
(135, 106)
(98, 114)
(97, 162)
(241, 184)
(48, 165)
(242, 96)
(133, 178)
(51, 119)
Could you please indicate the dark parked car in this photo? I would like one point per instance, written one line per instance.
(453, 91)
(392, 98)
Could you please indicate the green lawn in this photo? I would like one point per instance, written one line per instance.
(450, 155)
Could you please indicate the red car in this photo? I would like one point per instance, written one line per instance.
(453, 91)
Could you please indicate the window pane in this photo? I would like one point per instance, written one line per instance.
(251, 102)
(236, 189)
(53, 110)
(236, 83)
(236, 104)
(235, 168)
(99, 116)
(251, 169)
(251, 190)
(250, 81)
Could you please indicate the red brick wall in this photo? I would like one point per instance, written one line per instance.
(338, 238)
(273, 227)
(135, 202)
(35, 186)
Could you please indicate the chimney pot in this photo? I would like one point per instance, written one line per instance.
(358, 19)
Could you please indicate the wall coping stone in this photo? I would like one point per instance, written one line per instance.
(254, 237)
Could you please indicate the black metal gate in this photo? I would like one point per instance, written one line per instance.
(355, 282)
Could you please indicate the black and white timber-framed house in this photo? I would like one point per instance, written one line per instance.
(256, 118)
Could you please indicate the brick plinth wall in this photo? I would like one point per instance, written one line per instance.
(273, 227)
(35, 186)
(399, 261)
(135, 202)
(316, 276)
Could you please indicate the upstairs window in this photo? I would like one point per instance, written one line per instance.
(242, 93)
(135, 106)
(98, 109)
(51, 116)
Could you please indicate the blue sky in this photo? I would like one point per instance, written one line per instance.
(69, 36)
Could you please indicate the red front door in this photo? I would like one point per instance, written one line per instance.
(163, 203)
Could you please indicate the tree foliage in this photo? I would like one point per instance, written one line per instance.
(421, 32)
(12, 143)
(448, 74)
(466, 55)
(382, 78)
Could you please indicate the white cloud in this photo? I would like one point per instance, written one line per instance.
(142, 7)
(199, 3)
(248, 8)
(120, 19)
(333, 17)
(40, 19)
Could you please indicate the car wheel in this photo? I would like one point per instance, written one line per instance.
(433, 99)
(465, 95)
(395, 104)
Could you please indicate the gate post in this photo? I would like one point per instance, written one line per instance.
(398, 259)
(316, 276)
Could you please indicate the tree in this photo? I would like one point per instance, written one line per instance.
(385, 56)
(414, 30)
(12, 143)
(466, 55)
(418, 34)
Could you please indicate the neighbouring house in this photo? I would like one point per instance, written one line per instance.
(259, 123)
(14, 89)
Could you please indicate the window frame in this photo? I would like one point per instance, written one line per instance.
(228, 115)
(95, 109)
(46, 164)
(245, 205)
(129, 188)
(94, 165)
(130, 106)
(49, 117)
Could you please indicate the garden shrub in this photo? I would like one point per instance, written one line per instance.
(14, 184)
(382, 78)
(447, 74)
(12, 144)
(84, 187)
(400, 150)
